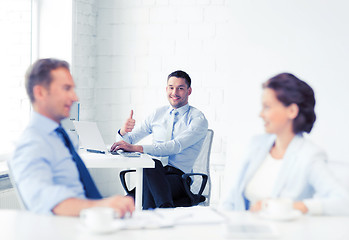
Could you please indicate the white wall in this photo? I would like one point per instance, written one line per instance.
(55, 23)
(84, 73)
(84, 55)
(307, 38)
(30, 29)
(15, 49)
(228, 48)
(140, 42)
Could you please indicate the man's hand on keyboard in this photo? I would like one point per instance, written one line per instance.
(126, 147)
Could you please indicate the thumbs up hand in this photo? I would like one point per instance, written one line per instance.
(129, 125)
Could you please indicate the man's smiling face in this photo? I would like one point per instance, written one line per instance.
(177, 92)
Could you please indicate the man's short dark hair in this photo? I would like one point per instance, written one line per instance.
(289, 89)
(181, 74)
(40, 74)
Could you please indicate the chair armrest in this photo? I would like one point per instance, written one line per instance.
(185, 178)
(123, 179)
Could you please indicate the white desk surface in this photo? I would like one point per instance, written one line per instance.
(97, 160)
(20, 225)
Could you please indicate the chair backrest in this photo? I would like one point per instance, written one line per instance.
(14, 185)
(202, 165)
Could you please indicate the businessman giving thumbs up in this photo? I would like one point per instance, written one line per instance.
(178, 131)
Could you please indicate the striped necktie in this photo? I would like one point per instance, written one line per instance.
(90, 188)
(171, 124)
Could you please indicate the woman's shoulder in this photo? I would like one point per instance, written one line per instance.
(310, 147)
(306, 151)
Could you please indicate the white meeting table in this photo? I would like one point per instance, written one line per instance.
(97, 160)
(20, 225)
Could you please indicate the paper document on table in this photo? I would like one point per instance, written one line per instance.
(169, 217)
(191, 215)
(145, 220)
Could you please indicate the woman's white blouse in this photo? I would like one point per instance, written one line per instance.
(261, 184)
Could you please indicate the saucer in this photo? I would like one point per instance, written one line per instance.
(109, 229)
(147, 221)
(291, 215)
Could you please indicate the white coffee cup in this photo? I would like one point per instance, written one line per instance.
(97, 218)
(277, 206)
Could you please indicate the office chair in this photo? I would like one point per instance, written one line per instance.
(197, 184)
(14, 185)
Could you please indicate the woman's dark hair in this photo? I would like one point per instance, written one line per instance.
(181, 74)
(40, 74)
(289, 89)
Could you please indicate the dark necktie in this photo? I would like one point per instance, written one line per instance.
(90, 188)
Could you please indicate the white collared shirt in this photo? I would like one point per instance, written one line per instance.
(43, 167)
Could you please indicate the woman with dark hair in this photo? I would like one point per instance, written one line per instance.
(283, 163)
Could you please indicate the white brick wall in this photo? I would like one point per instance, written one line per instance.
(84, 68)
(84, 55)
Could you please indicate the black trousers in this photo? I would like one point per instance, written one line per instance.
(162, 186)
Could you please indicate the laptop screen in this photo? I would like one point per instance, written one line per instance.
(90, 136)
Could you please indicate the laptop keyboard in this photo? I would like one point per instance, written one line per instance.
(126, 154)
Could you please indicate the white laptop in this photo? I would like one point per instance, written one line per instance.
(90, 136)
